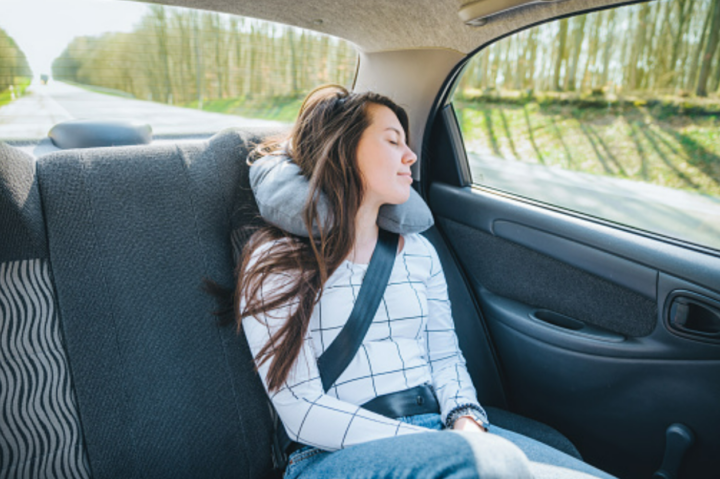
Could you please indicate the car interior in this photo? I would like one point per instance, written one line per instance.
(598, 338)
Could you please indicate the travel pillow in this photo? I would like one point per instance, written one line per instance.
(280, 191)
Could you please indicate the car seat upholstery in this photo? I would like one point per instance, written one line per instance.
(40, 429)
(151, 385)
(162, 390)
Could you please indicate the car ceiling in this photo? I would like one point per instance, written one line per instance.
(381, 25)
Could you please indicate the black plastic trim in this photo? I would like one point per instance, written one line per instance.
(659, 346)
(701, 268)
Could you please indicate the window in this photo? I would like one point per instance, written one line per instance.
(140, 62)
(614, 114)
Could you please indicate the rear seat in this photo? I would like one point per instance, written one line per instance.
(141, 380)
(161, 390)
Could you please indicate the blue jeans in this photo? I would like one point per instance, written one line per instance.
(432, 455)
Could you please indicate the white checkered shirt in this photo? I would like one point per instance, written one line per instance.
(411, 341)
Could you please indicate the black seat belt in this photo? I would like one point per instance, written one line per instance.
(338, 355)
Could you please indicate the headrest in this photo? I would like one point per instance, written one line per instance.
(281, 189)
(97, 133)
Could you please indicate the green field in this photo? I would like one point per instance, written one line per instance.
(651, 144)
(658, 144)
(279, 108)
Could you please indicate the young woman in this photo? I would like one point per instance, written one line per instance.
(294, 295)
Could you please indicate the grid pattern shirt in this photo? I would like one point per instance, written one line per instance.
(411, 341)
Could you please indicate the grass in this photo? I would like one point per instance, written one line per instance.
(667, 141)
(279, 108)
(6, 97)
(638, 140)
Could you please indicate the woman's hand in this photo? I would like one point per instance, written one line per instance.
(466, 423)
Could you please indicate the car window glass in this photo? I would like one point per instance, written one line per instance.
(182, 71)
(614, 114)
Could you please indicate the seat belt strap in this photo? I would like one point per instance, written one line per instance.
(338, 355)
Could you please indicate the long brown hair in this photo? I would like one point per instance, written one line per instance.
(323, 142)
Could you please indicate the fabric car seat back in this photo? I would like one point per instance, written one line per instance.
(40, 433)
(162, 390)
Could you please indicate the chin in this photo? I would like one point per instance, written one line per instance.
(400, 198)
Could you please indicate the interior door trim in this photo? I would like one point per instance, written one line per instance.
(487, 209)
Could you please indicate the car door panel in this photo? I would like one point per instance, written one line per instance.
(577, 311)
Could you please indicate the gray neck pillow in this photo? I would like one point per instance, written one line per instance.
(280, 191)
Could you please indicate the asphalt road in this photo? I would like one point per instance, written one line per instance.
(32, 116)
(679, 214)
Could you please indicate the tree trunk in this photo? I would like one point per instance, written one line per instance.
(709, 49)
(693, 73)
(293, 64)
(658, 60)
(218, 54)
(160, 23)
(495, 67)
(685, 12)
(199, 70)
(609, 37)
(576, 48)
(715, 85)
(530, 82)
(585, 81)
(562, 40)
(634, 75)
(652, 38)
(684, 51)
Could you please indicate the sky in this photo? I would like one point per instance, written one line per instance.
(43, 28)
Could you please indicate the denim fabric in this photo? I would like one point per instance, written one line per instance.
(435, 455)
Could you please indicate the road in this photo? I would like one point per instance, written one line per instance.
(32, 116)
(679, 214)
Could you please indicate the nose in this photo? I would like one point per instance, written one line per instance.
(409, 157)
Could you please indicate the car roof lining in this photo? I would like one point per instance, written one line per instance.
(402, 24)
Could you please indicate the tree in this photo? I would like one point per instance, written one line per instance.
(560, 55)
(609, 39)
(13, 63)
(693, 73)
(712, 44)
(576, 48)
(685, 12)
(159, 16)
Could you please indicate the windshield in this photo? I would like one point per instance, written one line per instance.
(182, 71)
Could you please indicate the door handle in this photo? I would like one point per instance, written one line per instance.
(574, 326)
(694, 315)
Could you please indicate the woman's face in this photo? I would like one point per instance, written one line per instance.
(384, 158)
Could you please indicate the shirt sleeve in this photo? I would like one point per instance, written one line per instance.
(308, 414)
(451, 380)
